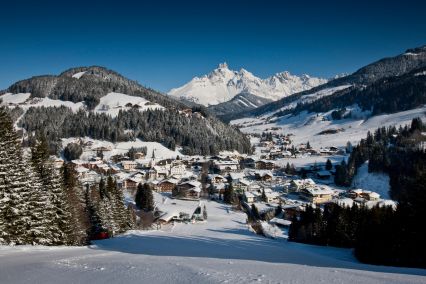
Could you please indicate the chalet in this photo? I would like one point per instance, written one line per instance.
(355, 193)
(227, 166)
(143, 163)
(317, 194)
(235, 177)
(177, 170)
(214, 179)
(291, 211)
(129, 165)
(157, 172)
(249, 197)
(264, 176)
(247, 163)
(188, 190)
(101, 149)
(271, 196)
(167, 185)
(323, 174)
(298, 184)
(139, 155)
(241, 185)
(370, 195)
(265, 165)
(131, 183)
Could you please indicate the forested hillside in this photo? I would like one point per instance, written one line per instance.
(380, 235)
(160, 118)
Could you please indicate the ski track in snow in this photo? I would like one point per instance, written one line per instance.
(221, 250)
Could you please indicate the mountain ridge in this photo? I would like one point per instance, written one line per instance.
(222, 85)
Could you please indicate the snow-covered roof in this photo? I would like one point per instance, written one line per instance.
(318, 190)
(280, 221)
(346, 202)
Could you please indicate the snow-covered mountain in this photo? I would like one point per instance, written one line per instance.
(223, 84)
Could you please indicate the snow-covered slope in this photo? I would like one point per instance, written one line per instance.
(112, 103)
(109, 104)
(222, 250)
(377, 182)
(24, 101)
(223, 84)
(307, 126)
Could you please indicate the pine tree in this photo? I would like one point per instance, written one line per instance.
(228, 194)
(79, 220)
(255, 212)
(22, 219)
(264, 198)
(59, 213)
(144, 198)
(204, 212)
(328, 165)
(287, 168)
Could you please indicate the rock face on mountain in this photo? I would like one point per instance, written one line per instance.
(225, 90)
(102, 104)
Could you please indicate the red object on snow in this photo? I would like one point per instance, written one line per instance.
(101, 236)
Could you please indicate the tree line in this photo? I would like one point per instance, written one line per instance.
(197, 135)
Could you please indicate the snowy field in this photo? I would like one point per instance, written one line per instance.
(306, 126)
(222, 250)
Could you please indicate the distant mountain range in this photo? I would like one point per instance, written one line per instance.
(226, 91)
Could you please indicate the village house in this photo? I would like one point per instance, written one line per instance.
(139, 155)
(188, 190)
(265, 165)
(323, 175)
(129, 165)
(247, 163)
(227, 166)
(177, 170)
(264, 176)
(271, 196)
(167, 185)
(214, 179)
(299, 184)
(249, 197)
(317, 194)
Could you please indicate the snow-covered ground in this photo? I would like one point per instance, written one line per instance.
(109, 104)
(112, 103)
(306, 126)
(377, 182)
(25, 102)
(160, 151)
(221, 250)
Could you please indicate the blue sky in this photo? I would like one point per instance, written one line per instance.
(163, 44)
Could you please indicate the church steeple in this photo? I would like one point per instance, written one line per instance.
(152, 158)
